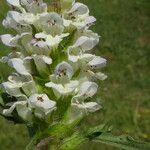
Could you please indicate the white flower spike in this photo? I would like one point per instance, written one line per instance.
(51, 57)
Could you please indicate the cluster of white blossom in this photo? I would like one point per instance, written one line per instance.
(51, 58)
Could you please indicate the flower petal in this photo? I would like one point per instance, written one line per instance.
(42, 102)
(23, 111)
(50, 40)
(12, 89)
(97, 62)
(35, 7)
(85, 43)
(9, 40)
(16, 21)
(87, 89)
(61, 90)
(15, 3)
(79, 9)
(89, 106)
(89, 20)
(19, 66)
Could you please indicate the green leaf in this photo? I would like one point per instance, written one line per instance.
(102, 134)
(77, 139)
(123, 142)
(68, 139)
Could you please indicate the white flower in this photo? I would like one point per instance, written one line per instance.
(89, 20)
(15, 20)
(78, 9)
(61, 80)
(51, 23)
(16, 4)
(63, 73)
(87, 89)
(41, 104)
(64, 69)
(87, 63)
(50, 40)
(81, 23)
(93, 65)
(11, 55)
(90, 34)
(63, 89)
(21, 107)
(10, 40)
(76, 54)
(87, 107)
(12, 89)
(35, 6)
(86, 43)
(97, 62)
(19, 66)
(78, 16)
(16, 84)
(39, 47)
(34, 46)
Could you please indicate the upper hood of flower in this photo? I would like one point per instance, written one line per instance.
(87, 89)
(78, 9)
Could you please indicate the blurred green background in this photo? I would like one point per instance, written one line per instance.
(124, 28)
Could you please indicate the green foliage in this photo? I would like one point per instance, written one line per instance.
(123, 142)
(98, 134)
